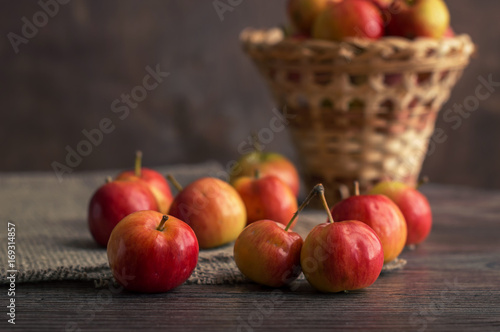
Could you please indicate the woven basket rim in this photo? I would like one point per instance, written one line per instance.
(385, 53)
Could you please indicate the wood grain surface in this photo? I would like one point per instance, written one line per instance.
(451, 283)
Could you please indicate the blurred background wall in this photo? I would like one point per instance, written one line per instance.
(78, 67)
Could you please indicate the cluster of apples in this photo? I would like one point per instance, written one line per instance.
(152, 251)
(348, 251)
(371, 19)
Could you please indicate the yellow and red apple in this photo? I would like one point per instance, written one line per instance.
(267, 163)
(266, 198)
(213, 209)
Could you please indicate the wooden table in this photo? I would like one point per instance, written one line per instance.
(450, 283)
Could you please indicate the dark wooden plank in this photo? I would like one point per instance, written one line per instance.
(451, 282)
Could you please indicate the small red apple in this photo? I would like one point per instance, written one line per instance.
(150, 252)
(154, 180)
(268, 253)
(414, 206)
(348, 18)
(266, 198)
(338, 256)
(303, 12)
(267, 163)
(381, 214)
(418, 18)
(112, 202)
(213, 209)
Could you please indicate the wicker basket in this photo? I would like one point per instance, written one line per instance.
(359, 110)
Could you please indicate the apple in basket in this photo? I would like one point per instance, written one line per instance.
(348, 18)
(414, 206)
(212, 208)
(154, 180)
(341, 255)
(112, 202)
(381, 214)
(419, 18)
(266, 198)
(302, 13)
(151, 252)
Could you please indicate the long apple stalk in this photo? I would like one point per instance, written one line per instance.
(317, 188)
(138, 163)
(174, 182)
(321, 191)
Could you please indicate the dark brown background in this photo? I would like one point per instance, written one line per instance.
(66, 77)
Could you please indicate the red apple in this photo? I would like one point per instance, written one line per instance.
(349, 18)
(112, 202)
(213, 209)
(150, 252)
(267, 163)
(303, 12)
(154, 180)
(414, 206)
(268, 253)
(418, 18)
(381, 214)
(266, 198)
(338, 256)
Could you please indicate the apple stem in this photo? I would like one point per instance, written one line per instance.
(138, 163)
(321, 191)
(422, 181)
(161, 227)
(256, 174)
(256, 143)
(356, 188)
(310, 196)
(343, 191)
(174, 182)
(108, 179)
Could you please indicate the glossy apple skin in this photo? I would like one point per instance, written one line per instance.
(266, 198)
(341, 256)
(422, 18)
(213, 209)
(144, 259)
(267, 254)
(112, 202)
(414, 206)
(382, 215)
(268, 163)
(349, 18)
(302, 13)
(156, 183)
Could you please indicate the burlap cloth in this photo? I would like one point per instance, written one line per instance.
(53, 241)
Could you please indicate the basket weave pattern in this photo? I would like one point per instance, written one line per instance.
(360, 110)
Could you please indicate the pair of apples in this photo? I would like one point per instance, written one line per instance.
(339, 19)
(347, 254)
